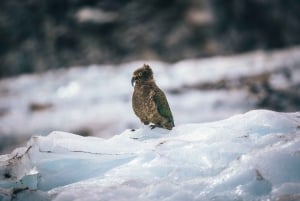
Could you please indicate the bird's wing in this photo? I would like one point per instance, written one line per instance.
(162, 105)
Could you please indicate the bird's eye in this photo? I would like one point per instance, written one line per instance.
(140, 74)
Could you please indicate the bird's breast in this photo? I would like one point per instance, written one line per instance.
(142, 100)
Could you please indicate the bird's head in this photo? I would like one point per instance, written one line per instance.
(143, 74)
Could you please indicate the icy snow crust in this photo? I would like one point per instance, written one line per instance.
(254, 156)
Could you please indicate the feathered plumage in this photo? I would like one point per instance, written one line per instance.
(148, 101)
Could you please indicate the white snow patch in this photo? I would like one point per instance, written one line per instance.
(94, 98)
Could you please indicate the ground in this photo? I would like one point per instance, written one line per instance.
(251, 156)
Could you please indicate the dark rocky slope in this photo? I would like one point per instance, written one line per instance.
(36, 35)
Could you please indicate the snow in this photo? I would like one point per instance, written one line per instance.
(92, 99)
(251, 156)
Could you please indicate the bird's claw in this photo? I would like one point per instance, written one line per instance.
(152, 127)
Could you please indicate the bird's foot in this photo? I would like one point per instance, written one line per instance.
(152, 126)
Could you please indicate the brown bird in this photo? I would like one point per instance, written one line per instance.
(148, 101)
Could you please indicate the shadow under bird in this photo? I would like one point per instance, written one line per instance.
(149, 102)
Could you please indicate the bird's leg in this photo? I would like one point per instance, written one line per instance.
(145, 122)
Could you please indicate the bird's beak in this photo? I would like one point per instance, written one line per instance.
(132, 81)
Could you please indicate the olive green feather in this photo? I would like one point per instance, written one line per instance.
(163, 106)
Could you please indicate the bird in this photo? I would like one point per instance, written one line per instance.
(149, 102)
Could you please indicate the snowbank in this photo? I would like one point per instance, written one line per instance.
(254, 156)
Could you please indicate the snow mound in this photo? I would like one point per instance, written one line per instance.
(253, 156)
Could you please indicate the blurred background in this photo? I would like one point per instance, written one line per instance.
(66, 64)
(36, 35)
